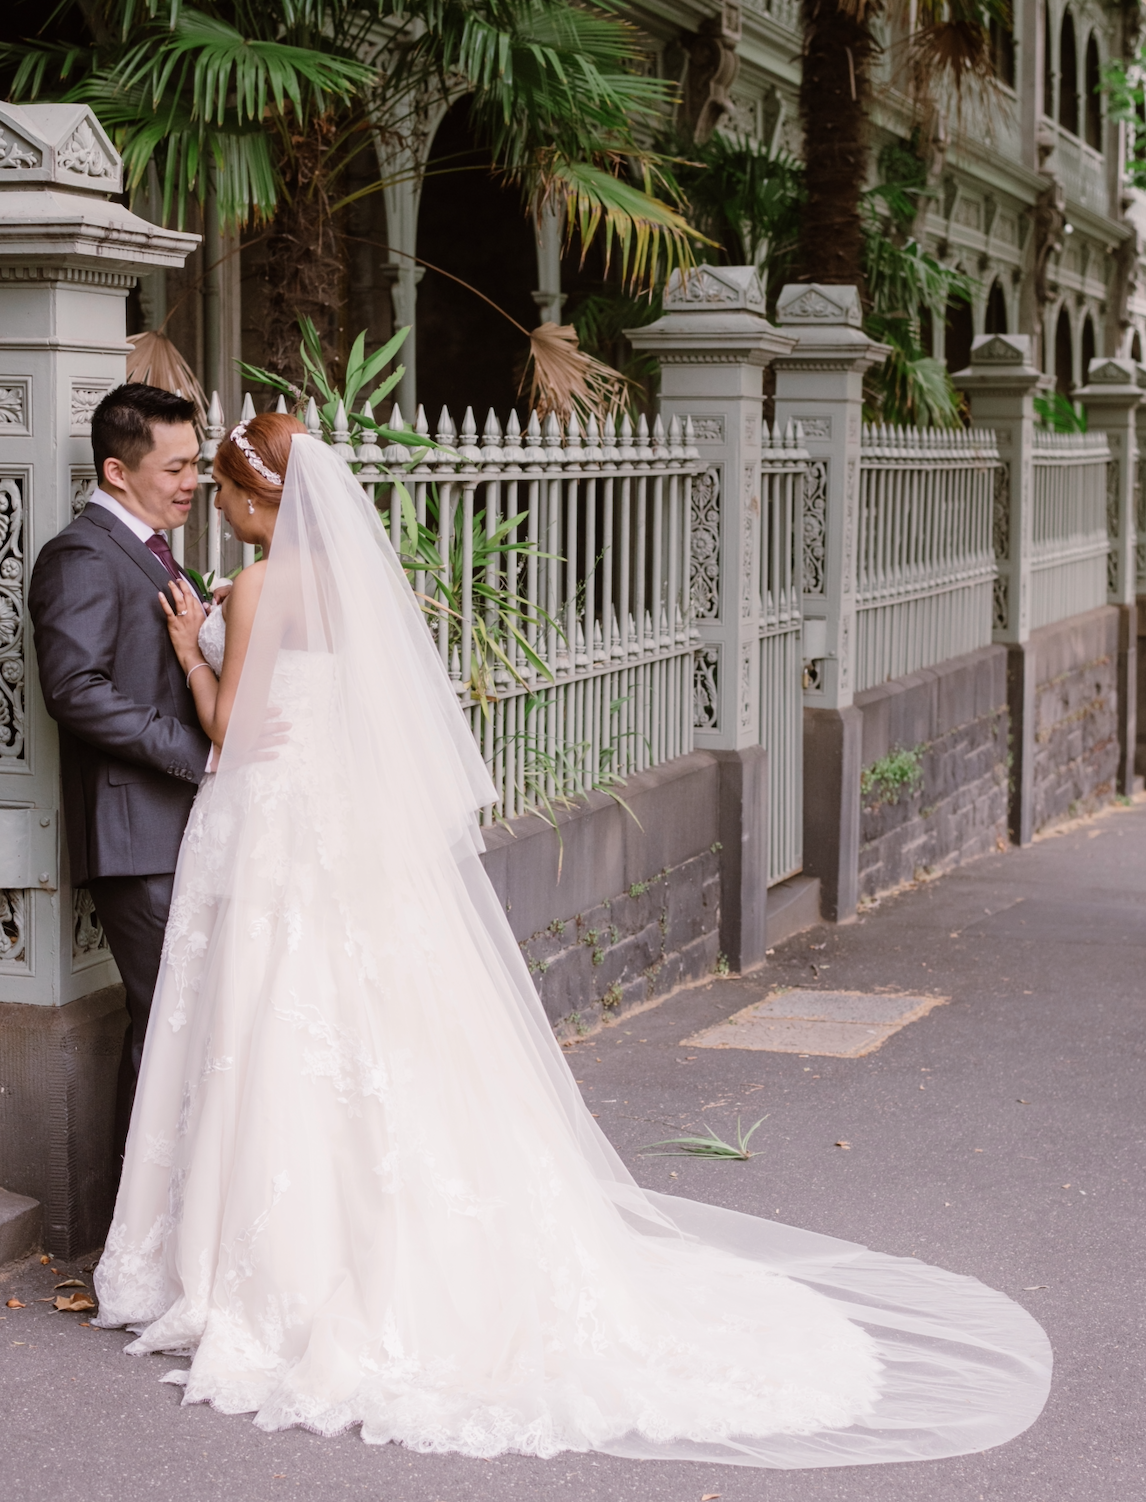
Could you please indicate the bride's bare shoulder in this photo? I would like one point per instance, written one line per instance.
(244, 597)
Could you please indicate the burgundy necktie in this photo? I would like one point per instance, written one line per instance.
(157, 544)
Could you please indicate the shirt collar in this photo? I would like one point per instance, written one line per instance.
(143, 530)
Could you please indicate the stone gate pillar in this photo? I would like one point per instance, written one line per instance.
(68, 257)
(1112, 399)
(713, 344)
(820, 386)
(1001, 382)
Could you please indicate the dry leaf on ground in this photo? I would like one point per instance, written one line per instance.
(843, 1144)
(44, 1261)
(710, 1497)
(16, 1304)
(72, 1283)
(74, 1301)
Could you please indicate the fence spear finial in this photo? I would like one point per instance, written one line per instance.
(248, 408)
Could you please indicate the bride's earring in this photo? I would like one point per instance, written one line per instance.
(250, 506)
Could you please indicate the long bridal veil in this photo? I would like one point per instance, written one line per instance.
(361, 1184)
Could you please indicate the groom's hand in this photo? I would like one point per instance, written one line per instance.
(275, 733)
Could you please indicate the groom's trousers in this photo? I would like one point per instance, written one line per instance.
(133, 911)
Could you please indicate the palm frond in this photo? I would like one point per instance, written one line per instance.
(564, 379)
(155, 361)
(651, 237)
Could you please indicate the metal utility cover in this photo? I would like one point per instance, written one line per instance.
(837, 1024)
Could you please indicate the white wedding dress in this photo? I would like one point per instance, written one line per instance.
(361, 1186)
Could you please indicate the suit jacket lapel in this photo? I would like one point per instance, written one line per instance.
(139, 553)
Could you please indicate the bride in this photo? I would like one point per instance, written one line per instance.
(361, 1186)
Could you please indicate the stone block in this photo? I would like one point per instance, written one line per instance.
(21, 1221)
(59, 1066)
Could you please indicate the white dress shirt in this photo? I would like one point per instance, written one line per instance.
(143, 530)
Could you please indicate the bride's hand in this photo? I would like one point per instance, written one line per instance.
(183, 621)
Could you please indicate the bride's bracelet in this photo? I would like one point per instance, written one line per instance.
(198, 665)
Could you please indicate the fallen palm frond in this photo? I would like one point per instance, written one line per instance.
(564, 379)
(155, 361)
(711, 1146)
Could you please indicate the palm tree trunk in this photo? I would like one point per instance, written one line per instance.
(835, 93)
(303, 271)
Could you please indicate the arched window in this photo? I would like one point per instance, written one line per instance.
(1136, 347)
(1089, 348)
(462, 343)
(960, 332)
(1003, 52)
(926, 330)
(1093, 101)
(1064, 355)
(1048, 64)
(996, 319)
(1068, 76)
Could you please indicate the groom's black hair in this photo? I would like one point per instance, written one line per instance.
(122, 423)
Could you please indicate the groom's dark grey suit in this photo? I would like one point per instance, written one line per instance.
(132, 752)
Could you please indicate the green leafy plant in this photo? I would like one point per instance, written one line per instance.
(897, 773)
(1054, 412)
(556, 779)
(710, 1146)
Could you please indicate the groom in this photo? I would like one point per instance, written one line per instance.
(131, 750)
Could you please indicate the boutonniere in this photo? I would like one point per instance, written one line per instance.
(204, 583)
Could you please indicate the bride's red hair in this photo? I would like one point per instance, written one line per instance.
(269, 434)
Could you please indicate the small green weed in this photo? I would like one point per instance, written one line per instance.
(897, 773)
(711, 1146)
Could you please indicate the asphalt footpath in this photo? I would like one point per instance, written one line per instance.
(999, 1135)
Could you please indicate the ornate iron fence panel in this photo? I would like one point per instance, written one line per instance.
(1069, 541)
(925, 557)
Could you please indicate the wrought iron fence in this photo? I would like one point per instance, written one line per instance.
(1069, 540)
(555, 564)
(925, 561)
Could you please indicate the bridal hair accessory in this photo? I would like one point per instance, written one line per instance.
(241, 441)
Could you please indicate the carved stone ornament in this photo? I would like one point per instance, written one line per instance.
(1001, 513)
(746, 687)
(12, 585)
(1113, 496)
(58, 143)
(817, 304)
(88, 938)
(13, 406)
(13, 929)
(815, 525)
(705, 579)
(817, 428)
(1001, 603)
(708, 429)
(86, 397)
(706, 689)
(83, 153)
(16, 154)
(1112, 373)
(712, 69)
(1001, 349)
(723, 287)
(82, 483)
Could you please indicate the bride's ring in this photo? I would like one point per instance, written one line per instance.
(180, 612)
